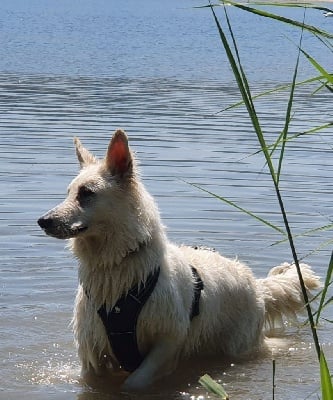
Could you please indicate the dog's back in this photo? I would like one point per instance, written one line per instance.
(237, 310)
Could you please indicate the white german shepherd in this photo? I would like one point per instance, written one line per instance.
(117, 235)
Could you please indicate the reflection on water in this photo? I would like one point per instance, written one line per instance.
(163, 78)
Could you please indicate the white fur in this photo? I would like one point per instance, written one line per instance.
(118, 239)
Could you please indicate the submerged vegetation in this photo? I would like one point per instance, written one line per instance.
(274, 153)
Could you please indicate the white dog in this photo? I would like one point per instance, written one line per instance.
(143, 302)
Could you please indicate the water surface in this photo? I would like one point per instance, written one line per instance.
(84, 69)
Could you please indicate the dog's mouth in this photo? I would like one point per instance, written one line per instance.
(52, 228)
(80, 229)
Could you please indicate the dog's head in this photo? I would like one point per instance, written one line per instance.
(98, 198)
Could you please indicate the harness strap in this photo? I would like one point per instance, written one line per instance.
(198, 286)
(120, 322)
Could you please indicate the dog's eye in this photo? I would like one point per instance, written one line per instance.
(85, 195)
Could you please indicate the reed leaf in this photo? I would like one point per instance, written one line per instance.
(288, 114)
(309, 233)
(292, 137)
(272, 91)
(310, 131)
(280, 18)
(328, 281)
(245, 92)
(289, 107)
(243, 88)
(231, 203)
(327, 303)
(322, 70)
(213, 387)
(292, 5)
(325, 379)
(325, 42)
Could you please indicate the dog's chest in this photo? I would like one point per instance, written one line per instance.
(120, 320)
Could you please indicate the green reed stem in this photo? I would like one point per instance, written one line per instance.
(299, 272)
(247, 98)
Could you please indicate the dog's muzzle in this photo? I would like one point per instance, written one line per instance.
(55, 227)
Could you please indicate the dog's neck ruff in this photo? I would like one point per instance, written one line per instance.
(120, 322)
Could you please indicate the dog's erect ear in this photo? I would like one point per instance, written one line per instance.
(118, 157)
(84, 156)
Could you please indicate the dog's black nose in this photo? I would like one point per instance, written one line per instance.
(45, 223)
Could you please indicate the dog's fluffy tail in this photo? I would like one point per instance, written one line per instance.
(282, 292)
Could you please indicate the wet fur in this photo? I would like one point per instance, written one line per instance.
(116, 234)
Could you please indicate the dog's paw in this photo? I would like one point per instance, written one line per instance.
(136, 383)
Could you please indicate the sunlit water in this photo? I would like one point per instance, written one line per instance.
(83, 69)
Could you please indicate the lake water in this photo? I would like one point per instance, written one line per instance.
(157, 69)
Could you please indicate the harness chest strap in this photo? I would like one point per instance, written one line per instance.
(120, 322)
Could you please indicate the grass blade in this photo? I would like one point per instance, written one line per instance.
(325, 379)
(272, 91)
(308, 233)
(295, 136)
(322, 70)
(290, 103)
(280, 18)
(245, 92)
(231, 203)
(243, 88)
(292, 5)
(326, 286)
(213, 387)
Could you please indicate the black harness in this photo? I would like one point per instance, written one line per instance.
(120, 322)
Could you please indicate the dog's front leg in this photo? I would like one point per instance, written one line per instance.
(160, 361)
